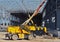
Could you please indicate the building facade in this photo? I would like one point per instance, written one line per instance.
(6, 19)
(52, 15)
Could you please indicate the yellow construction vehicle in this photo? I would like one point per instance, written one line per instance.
(25, 31)
(15, 32)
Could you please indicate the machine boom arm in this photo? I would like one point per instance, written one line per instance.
(34, 14)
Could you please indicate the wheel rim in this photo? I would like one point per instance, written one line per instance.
(30, 37)
(14, 37)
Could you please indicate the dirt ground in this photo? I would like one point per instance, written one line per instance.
(37, 39)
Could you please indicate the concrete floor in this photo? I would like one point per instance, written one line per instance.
(38, 39)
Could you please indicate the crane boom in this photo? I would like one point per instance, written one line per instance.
(34, 14)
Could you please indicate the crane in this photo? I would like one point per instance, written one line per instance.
(24, 30)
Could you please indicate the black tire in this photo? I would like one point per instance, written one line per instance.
(8, 36)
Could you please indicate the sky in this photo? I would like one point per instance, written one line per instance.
(17, 5)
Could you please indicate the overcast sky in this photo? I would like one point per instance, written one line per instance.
(15, 5)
